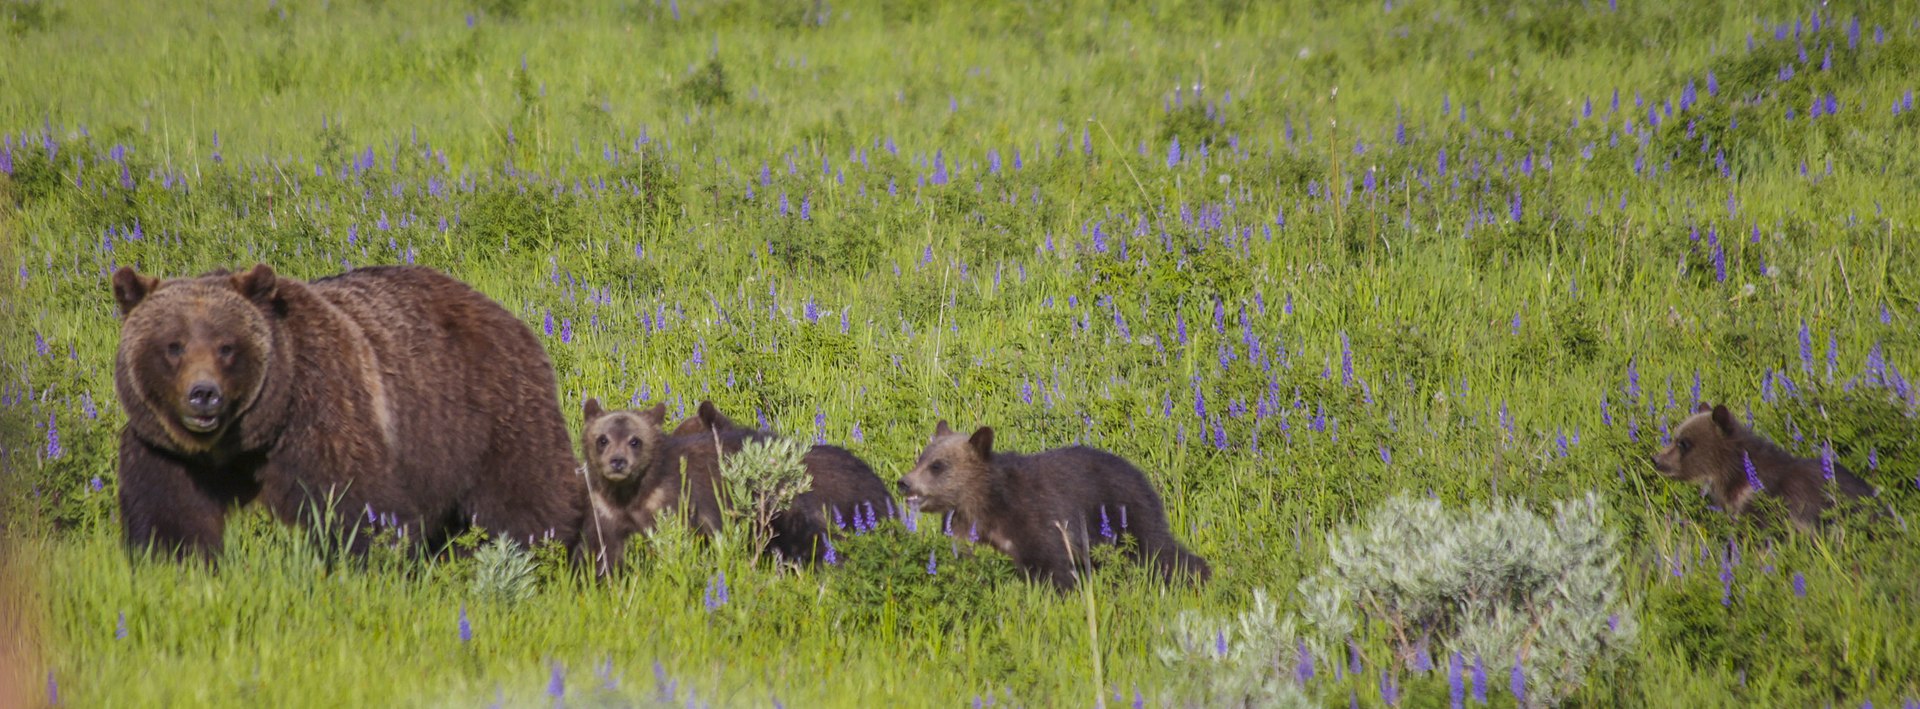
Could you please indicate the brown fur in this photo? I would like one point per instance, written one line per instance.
(1707, 449)
(400, 392)
(661, 472)
(843, 486)
(1017, 503)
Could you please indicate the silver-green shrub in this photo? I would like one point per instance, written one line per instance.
(762, 480)
(1496, 581)
(1235, 663)
(503, 571)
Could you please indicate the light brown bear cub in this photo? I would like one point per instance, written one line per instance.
(635, 471)
(1712, 449)
(1020, 504)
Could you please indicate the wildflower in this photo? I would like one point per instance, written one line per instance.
(930, 564)
(1456, 689)
(466, 629)
(1479, 680)
(1518, 683)
(120, 630)
(54, 450)
(1388, 692)
(95, 484)
(832, 557)
(1303, 667)
(557, 686)
(1753, 476)
(1799, 585)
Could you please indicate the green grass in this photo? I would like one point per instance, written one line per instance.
(985, 301)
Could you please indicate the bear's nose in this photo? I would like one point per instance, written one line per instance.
(617, 464)
(905, 489)
(204, 397)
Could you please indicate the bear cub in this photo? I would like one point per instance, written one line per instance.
(635, 470)
(1712, 449)
(1018, 504)
(844, 488)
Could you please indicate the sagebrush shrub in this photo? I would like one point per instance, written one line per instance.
(1494, 581)
(503, 571)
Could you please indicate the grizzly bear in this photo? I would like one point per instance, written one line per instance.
(386, 396)
(1726, 457)
(635, 471)
(844, 488)
(1045, 509)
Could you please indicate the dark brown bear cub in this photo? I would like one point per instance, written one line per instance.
(389, 394)
(1018, 504)
(636, 471)
(1714, 450)
(845, 491)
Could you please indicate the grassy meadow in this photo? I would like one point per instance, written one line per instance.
(1292, 258)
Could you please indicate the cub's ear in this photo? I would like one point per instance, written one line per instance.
(591, 410)
(941, 429)
(711, 416)
(129, 288)
(1702, 408)
(656, 415)
(982, 442)
(1723, 418)
(259, 285)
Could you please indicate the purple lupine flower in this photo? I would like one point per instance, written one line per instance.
(1173, 153)
(466, 629)
(95, 485)
(1799, 585)
(1873, 458)
(1726, 581)
(1353, 657)
(548, 322)
(1388, 692)
(716, 593)
(931, 570)
(566, 330)
(1518, 682)
(120, 628)
(1806, 347)
(1753, 476)
(54, 450)
(831, 557)
(1826, 460)
(1479, 680)
(1346, 361)
(1303, 665)
(557, 684)
(1106, 525)
(1456, 688)
(1386, 455)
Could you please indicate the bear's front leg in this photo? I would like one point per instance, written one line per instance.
(163, 508)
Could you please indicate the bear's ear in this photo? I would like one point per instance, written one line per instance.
(1702, 408)
(710, 415)
(258, 285)
(129, 288)
(1723, 418)
(982, 442)
(941, 429)
(591, 410)
(656, 415)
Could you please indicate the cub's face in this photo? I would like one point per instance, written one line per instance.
(194, 351)
(620, 444)
(952, 472)
(1699, 447)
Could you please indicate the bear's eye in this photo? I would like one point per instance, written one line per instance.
(1684, 445)
(175, 349)
(226, 351)
(633, 442)
(938, 467)
(601, 442)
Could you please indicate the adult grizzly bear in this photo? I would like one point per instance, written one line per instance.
(388, 393)
(1722, 455)
(1044, 509)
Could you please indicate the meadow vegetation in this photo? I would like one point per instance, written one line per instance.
(1294, 259)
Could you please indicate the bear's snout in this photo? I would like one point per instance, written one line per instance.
(618, 464)
(204, 398)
